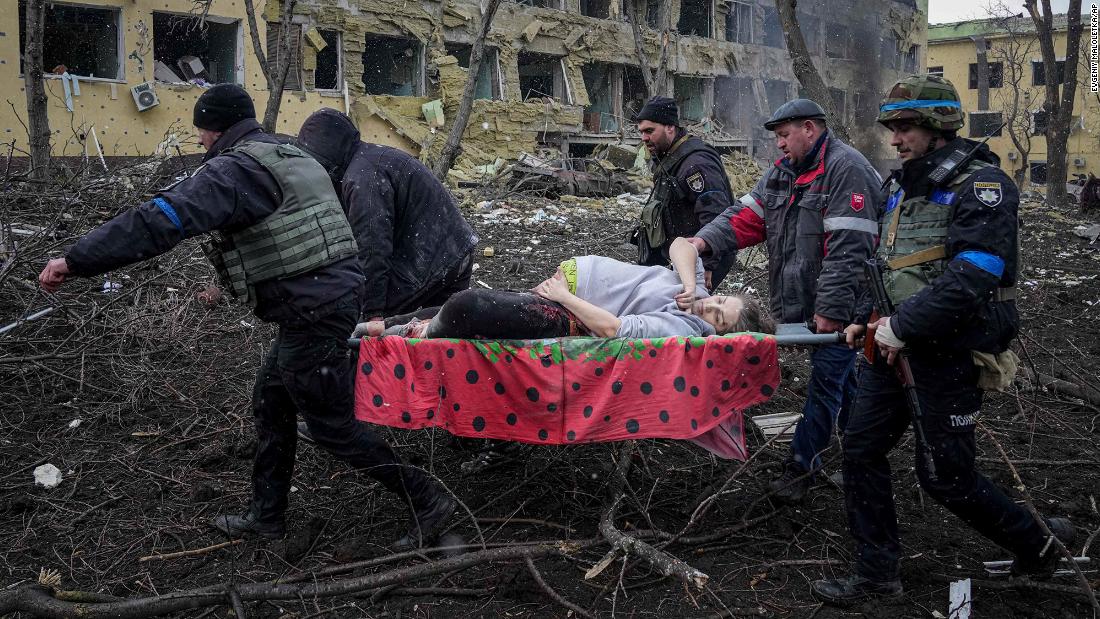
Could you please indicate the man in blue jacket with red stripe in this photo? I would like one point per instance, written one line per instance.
(816, 208)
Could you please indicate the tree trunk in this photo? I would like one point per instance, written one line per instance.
(804, 68)
(38, 121)
(656, 79)
(453, 147)
(269, 62)
(1058, 99)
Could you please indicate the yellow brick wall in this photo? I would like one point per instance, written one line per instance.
(108, 105)
(955, 56)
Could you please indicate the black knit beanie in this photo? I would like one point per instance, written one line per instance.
(661, 110)
(223, 106)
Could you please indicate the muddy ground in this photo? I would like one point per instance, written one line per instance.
(160, 386)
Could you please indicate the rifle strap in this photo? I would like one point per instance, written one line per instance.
(893, 231)
(936, 252)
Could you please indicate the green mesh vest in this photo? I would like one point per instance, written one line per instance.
(913, 234)
(307, 231)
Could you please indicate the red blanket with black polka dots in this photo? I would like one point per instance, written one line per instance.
(570, 390)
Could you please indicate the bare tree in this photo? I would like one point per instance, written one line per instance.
(453, 146)
(1059, 97)
(656, 79)
(276, 64)
(38, 121)
(804, 68)
(1014, 99)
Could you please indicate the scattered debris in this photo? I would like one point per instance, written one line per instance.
(47, 476)
(960, 601)
(1088, 232)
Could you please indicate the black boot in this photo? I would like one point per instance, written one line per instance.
(854, 588)
(249, 524)
(428, 519)
(792, 485)
(1044, 566)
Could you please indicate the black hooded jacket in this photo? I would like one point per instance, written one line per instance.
(229, 192)
(958, 309)
(409, 231)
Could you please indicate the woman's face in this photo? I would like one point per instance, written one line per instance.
(721, 312)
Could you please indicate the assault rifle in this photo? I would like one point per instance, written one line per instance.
(873, 269)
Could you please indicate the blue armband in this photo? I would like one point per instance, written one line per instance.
(989, 263)
(170, 212)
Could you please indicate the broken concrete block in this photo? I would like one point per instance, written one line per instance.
(314, 38)
(433, 113)
(621, 155)
(47, 476)
(532, 30)
(488, 252)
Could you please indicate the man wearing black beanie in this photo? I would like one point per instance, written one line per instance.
(690, 188)
(280, 241)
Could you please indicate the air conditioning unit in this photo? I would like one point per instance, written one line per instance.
(1079, 162)
(145, 96)
(1012, 155)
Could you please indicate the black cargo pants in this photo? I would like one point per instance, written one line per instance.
(949, 398)
(309, 370)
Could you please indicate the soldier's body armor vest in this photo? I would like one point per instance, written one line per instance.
(307, 231)
(666, 194)
(913, 235)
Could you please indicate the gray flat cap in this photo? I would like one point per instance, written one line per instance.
(796, 109)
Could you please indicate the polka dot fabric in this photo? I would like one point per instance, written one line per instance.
(569, 390)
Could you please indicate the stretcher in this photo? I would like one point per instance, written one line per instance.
(575, 390)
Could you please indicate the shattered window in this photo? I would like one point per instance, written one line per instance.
(391, 66)
(689, 97)
(634, 91)
(1038, 171)
(329, 72)
(911, 58)
(695, 18)
(1038, 72)
(739, 23)
(278, 56)
(1039, 120)
(599, 115)
(188, 49)
(596, 8)
(539, 76)
(488, 82)
(996, 75)
(837, 39)
(81, 40)
(984, 124)
(652, 7)
(773, 31)
(734, 106)
(935, 71)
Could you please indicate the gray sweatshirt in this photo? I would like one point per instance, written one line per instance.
(642, 297)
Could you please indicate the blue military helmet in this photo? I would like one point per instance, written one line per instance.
(795, 109)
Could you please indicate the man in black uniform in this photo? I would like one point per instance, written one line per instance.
(414, 245)
(951, 251)
(690, 188)
(281, 242)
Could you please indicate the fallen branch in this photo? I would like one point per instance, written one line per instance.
(665, 563)
(189, 553)
(1030, 505)
(554, 595)
(40, 601)
(1064, 387)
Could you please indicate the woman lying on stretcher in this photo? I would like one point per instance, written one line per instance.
(590, 295)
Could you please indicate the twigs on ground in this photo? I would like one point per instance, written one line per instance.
(189, 553)
(1030, 505)
(554, 595)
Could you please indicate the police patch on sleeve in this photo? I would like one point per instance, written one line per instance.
(989, 194)
(695, 182)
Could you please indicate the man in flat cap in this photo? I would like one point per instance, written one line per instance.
(817, 210)
(281, 243)
(690, 188)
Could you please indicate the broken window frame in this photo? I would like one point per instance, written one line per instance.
(981, 124)
(294, 78)
(419, 84)
(116, 14)
(237, 73)
(339, 47)
(490, 60)
(773, 36)
(587, 13)
(561, 90)
(1037, 172)
(1040, 119)
(938, 71)
(739, 18)
(542, 4)
(996, 75)
(709, 17)
(608, 121)
(679, 86)
(1038, 71)
(910, 62)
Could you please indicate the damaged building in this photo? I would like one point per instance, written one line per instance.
(559, 74)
